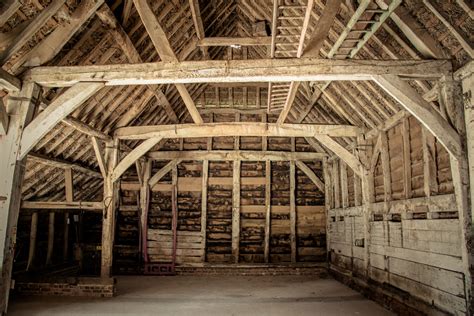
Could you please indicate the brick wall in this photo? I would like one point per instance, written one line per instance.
(87, 287)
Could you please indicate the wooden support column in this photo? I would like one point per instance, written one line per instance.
(49, 252)
(406, 158)
(20, 109)
(457, 105)
(337, 187)
(205, 177)
(293, 211)
(430, 182)
(327, 201)
(268, 209)
(344, 188)
(110, 205)
(466, 76)
(387, 177)
(69, 186)
(32, 246)
(144, 207)
(236, 211)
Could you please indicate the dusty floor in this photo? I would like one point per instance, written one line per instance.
(230, 295)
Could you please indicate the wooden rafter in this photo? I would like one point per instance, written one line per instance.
(166, 53)
(236, 41)
(62, 164)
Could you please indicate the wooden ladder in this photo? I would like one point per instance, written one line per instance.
(367, 19)
(290, 24)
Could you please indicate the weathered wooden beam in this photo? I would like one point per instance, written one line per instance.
(198, 25)
(463, 39)
(426, 44)
(54, 42)
(387, 124)
(69, 190)
(236, 211)
(133, 156)
(32, 245)
(352, 161)
(111, 201)
(99, 156)
(293, 211)
(384, 156)
(50, 248)
(275, 70)
(144, 208)
(322, 28)
(8, 81)
(4, 119)
(11, 174)
(62, 164)
(230, 155)
(86, 129)
(235, 41)
(205, 177)
(50, 205)
(162, 172)
(165, 51)
(294, 85)
(268, 210)
(63, 105)
(422, 110)
(235, 129)
(311, 175)
(36, 24)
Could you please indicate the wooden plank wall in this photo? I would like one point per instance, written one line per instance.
(415, 233)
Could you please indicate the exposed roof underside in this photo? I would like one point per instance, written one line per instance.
(99, 34)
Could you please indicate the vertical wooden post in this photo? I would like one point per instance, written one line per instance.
(236, 211)
(327, 200)
(337, 187)
(174, 206)
(20, 109)
(110, 204)
(458, 105)
(429, 163)
(344, 188)
(387, 177)
(32, 246)
(205, 177)
(144, 207)
(49, 252)
(406, 158)
(69, 185)
(268, 209)
(293, 210)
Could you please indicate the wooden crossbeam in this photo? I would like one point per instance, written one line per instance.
(165, 51)
(235, 129)
(422, 110)
(50, 205)
(231, 155)
(236, 41)
(276, 70)
(63, 105)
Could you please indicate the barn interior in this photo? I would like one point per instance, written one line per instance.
(196, 147)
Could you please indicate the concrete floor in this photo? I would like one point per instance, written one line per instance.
(218, 295)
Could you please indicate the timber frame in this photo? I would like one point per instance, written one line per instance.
(303, 81)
